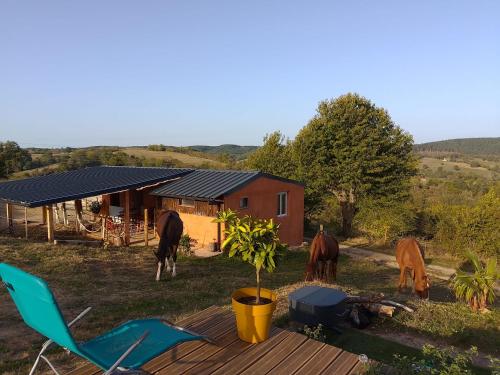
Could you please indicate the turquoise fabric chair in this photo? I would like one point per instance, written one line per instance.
(122, 349)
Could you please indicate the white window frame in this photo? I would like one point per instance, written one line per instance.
(182, 202)
(241, 201)
(280, 212)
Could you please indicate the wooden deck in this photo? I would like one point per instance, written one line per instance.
(284, 352)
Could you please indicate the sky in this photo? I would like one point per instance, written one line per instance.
(78, 73)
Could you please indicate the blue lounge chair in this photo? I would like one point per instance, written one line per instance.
(123, 349)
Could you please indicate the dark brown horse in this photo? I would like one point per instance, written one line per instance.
(410, 258)
(323, 256)
(169, 227)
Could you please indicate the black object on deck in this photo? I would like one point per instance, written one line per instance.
(313, 305)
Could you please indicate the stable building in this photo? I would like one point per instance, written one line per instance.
(199, 195)
(131, 197)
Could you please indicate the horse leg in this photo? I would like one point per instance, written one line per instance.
(328, 273)
(174, 259)
(334, 270)
(161, 266)
(402, 278)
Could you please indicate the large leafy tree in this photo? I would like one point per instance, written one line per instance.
(13, 158)
(274, 156)
(352, 149)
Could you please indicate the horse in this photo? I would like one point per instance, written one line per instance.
(410, 258)
(323, 256)
(169, 227)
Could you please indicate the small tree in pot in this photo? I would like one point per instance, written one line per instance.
(254, 241)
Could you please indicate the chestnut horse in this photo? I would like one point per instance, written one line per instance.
(410, 259)
(169, 227)
(323, 256)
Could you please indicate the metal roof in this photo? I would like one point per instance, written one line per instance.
(206, 184)
(83, 183)
(211, 185)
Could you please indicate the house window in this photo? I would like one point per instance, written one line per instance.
(186, 202)
(244, 202)
(282, 204)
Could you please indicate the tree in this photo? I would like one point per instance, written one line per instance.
(254, 241)
(274, 157)
(352, 149)
(13, 158)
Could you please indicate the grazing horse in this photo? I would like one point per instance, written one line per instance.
(323, 256)
(410, 258)
(169, 227)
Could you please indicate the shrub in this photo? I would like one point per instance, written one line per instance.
(315, 333)
(185, 245)
(478, 288)
(461, 228)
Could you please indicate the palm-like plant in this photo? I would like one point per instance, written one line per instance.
(478, 288)
(254, 241)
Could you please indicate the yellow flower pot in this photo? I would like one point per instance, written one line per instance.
(253, 321)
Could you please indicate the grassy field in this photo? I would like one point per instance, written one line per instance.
(119, 284)
(184, 158)
(465, 168)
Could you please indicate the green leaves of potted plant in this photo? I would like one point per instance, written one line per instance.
(257, 243)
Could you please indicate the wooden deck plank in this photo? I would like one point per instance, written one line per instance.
(247, 358)
(359, 368)
(203, 352)
(225, 355)
(277, 355)
(293, 362)
(343, 365)
(319, 361)
(212, 327)
(283, 353)
(194, 322)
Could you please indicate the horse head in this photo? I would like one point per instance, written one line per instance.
(422, 286)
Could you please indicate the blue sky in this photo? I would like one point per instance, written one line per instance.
(210, 72)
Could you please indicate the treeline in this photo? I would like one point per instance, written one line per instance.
(361, 179)
(472, 146)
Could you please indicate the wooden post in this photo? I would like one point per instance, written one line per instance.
(219, 230)
(8, 208)
(154, 224)
(78, 214)
(56, 211)
(127, 218)
(26, 222)
(65, 214)
(103, 223)
(50, 223)
(146, 227)
(44, 216)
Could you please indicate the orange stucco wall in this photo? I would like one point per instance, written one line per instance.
(263, 203)
(200, 228)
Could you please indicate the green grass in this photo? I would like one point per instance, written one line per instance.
(184, 158)
(119, 284)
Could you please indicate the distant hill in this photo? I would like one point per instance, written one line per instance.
(235, 150)
(472, 146)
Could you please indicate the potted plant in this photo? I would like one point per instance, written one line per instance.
(257, 243)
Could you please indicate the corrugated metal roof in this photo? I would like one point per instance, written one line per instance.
(206, 184)
(82, 183)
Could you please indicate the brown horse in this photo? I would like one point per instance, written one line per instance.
(410, 258)
(169, 227)
(323, 256)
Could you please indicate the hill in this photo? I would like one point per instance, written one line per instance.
(239, 152)
(471, 146)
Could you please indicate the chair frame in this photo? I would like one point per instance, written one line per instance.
(115, 368)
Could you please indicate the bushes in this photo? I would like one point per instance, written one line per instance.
(385, 220)
(461, 228)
